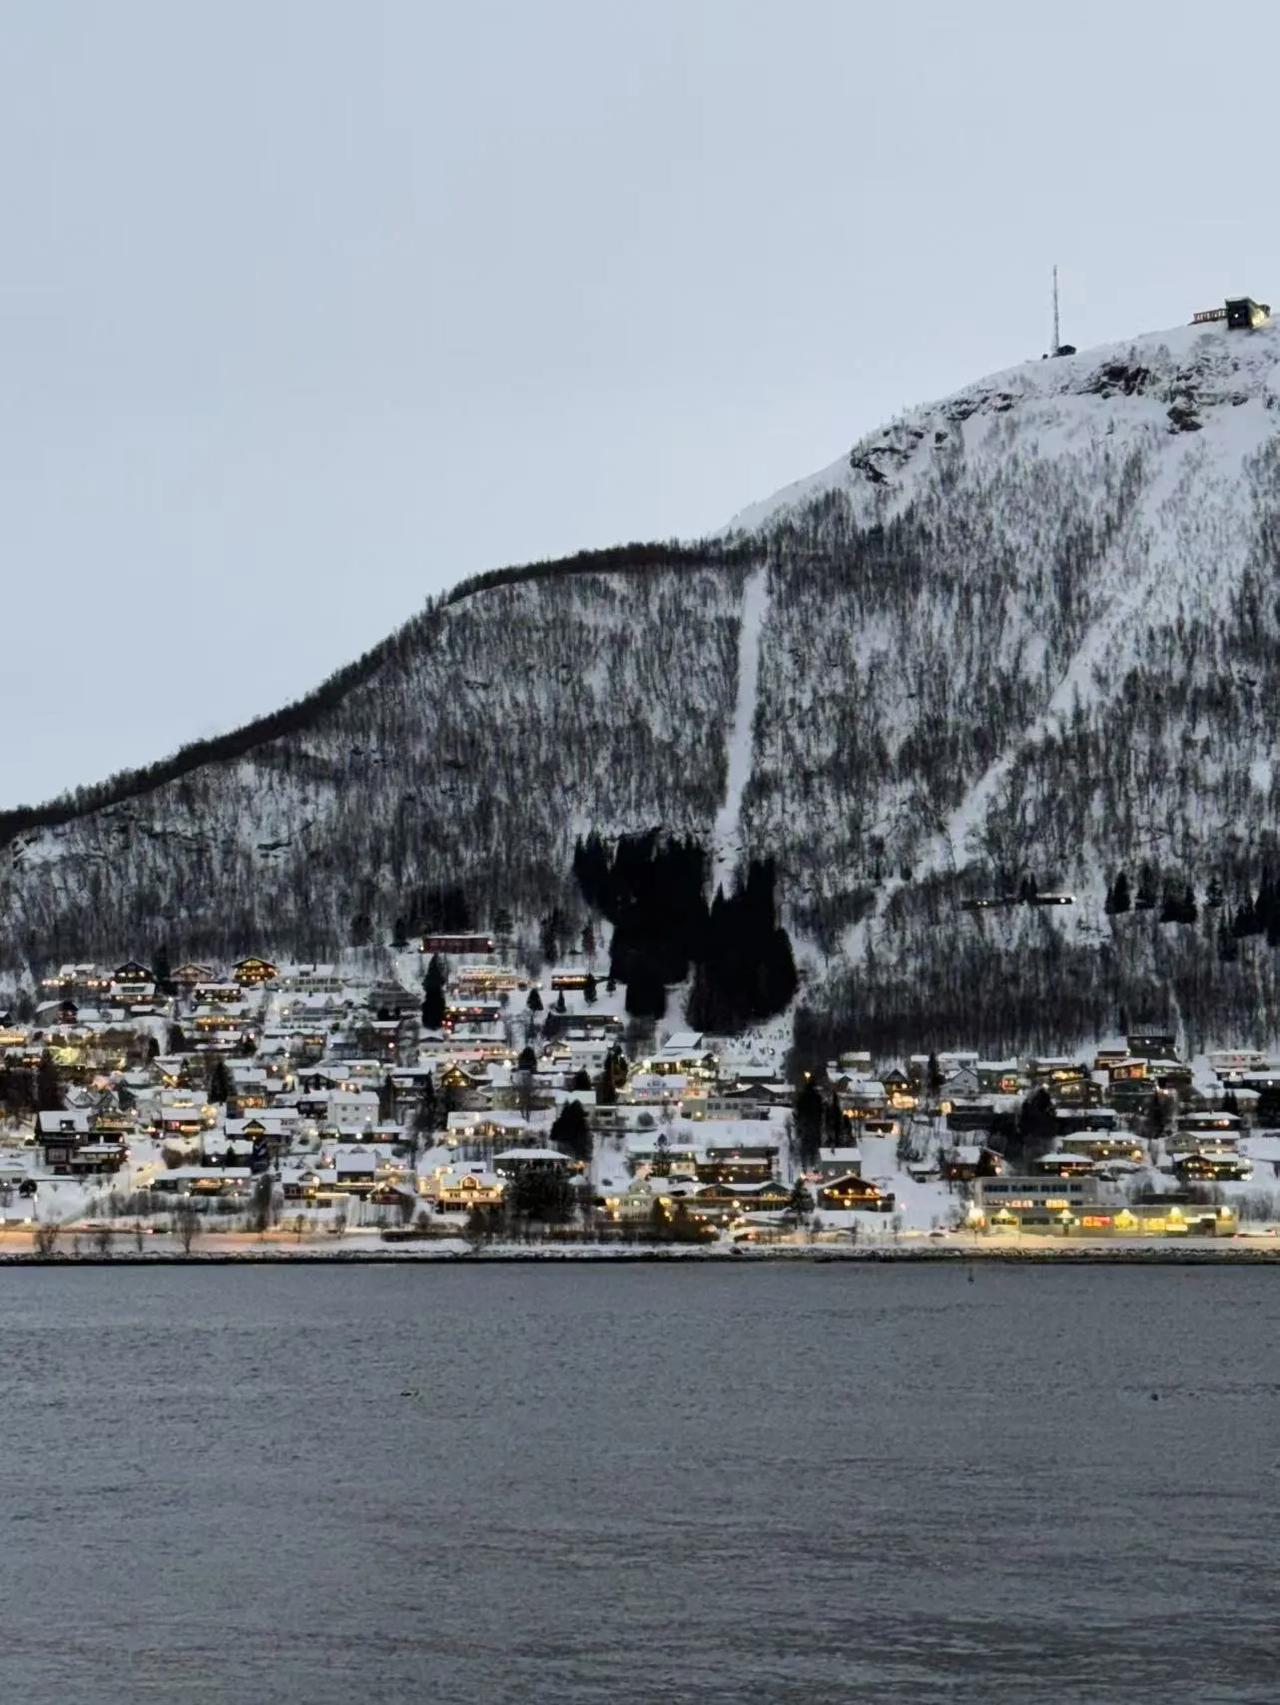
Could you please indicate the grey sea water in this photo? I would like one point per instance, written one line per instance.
(620, 1483)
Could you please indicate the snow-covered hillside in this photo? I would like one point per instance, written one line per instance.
(1023, 635)
(1034, 553)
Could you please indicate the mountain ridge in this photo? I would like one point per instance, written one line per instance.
(1024, 632)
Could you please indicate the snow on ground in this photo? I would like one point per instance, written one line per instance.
(727, 838)
(1055, 398)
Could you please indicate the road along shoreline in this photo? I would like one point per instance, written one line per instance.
(1163, 1255)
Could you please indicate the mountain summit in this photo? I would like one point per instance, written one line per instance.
(1014, 644)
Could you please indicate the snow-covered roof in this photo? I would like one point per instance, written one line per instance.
(683, 1042)
(185, 1174)
(452, 1176)
(67, 1119)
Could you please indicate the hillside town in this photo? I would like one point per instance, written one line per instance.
(442, 1094)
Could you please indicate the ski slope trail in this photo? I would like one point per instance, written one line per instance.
(727, 834)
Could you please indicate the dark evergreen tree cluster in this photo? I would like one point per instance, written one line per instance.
(1178, 904)
(1258, 913)
(17, 1090)
(745, 971)
(540, 1196)
(1255, 912)
(653, 892)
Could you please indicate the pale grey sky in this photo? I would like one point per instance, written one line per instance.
(310, 307)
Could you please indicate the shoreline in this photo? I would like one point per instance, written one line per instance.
(1165, 1255)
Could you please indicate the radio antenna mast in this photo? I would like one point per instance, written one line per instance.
(1057, 332)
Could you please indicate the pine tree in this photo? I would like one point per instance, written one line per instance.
(1037, 1124)
(433, 987)
(1267, 908)
(613, 1074)
(550, 932)
(807, 1121)
(571, 1133)
(589, 990)
(1118, 899)
(534, 1002)
(835, 1125)
(220, 1085)
(1246, 920)
(800, 1202)
(1145, 898)
(424, 1114)
(387, 1101)
(49, 1097)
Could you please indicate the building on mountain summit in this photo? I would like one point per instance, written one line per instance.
(1244, 314)
(1241, 313)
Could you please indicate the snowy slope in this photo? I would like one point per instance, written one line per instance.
(1047, 528)
(1063, 404)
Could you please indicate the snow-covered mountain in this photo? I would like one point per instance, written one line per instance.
(1028, 633)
